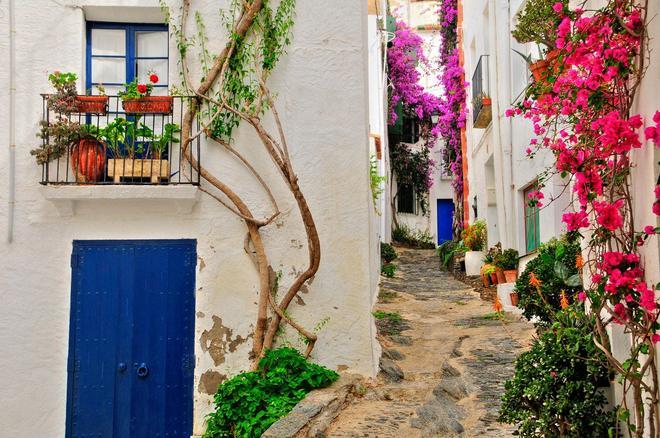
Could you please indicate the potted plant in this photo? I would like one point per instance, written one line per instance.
(137, 98)
(508, 262)
(66, 99)
(514, 298)
(485, 276)
(137, 151)
(538, 23)
(474, 239)
(84, 144)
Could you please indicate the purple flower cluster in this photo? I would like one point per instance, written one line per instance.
(403, 56)
(452, 108)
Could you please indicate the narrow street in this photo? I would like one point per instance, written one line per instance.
(455, 355)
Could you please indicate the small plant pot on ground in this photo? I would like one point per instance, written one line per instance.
(149, 105)
(474, 260)
(511, 275)
(514, 298)
(92, 104)
(88, 160)
(493, 278)
(485, 278)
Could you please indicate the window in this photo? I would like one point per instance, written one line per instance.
(532, 223)
(118, 53)
(405, 199)
(411, 129)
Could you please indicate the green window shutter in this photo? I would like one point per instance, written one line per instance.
(532, 224)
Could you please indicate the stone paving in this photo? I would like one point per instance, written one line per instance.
(444, 373)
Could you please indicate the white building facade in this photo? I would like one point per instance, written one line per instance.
(48, 226)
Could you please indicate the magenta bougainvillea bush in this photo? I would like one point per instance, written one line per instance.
(404, 56)
(582, 113)
(452, 107)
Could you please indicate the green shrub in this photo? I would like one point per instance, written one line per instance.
(446, 251)
(554, 391)
(248, 404)
(555, 267)
(387, 252)
(412, 238)
(388, 269)
(507, 260)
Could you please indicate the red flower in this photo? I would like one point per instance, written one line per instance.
(608, 214)
(575, 221)
(153, 78)
(142, 88)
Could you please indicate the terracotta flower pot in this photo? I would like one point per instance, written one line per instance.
(493, 278)
(88, 160)
(149, 105)
(539, 70)
(511, 275)
(485, 280)
(500, 276)
(92, 104)
(551, 59)
(514, 298)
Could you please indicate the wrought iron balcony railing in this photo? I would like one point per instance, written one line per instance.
(481, 100)
(108, 142)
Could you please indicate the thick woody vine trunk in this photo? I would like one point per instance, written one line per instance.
(264, 333)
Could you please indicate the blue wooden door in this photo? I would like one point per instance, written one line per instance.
(131, 348)
(445, 218)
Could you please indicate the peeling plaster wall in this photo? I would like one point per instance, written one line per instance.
(322, 97)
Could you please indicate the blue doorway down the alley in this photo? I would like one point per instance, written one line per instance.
(445, 218)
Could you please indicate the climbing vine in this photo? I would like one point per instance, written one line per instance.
(232, 91)
(581, 110)
(452, 106)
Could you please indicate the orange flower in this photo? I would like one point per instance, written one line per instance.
(497, 305)
(579, 262)
(534, 281)
(564, 301)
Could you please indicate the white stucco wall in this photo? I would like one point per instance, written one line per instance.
(498, 168)
(322, 97)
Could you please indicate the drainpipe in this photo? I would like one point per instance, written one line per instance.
(11, 198)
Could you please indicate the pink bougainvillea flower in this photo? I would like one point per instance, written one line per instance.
(612, 259)
(646, 297)
(608, 215)
(649, 230)
(655, 338)
(652, 133)
(558, 7)
(620, 313)
(575, 221)
(582, 297)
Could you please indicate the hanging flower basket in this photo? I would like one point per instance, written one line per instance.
(92, 104)
(88, 160)
(149, 105)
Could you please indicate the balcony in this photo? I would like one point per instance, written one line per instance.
(113, 146)
(481, 102)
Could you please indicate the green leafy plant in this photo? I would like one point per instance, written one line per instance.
(158, 143)
(58, 136)
(135, 90)
(507, 260)
(556, 270)
(388, 269)
(391, 316)
(387, 252)
(377, 181)
(538, 23)
(555, 389)
(404, 235)
(447, 250)
(474, 236)
(63, 101)
(249, 403)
